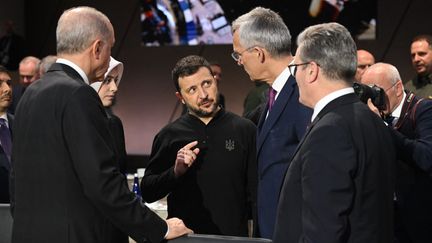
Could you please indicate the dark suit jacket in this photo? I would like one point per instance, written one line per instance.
(277, 138)
(339, 186)
(413, 137)
(5, 169)
(116, 128)
(68, 187)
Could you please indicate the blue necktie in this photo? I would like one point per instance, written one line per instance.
(5, 138)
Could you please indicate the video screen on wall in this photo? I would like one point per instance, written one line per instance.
(195, 22)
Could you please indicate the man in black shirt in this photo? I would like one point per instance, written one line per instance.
(205, 160)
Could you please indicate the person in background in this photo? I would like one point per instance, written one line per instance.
(107, 91)
(339, 186)
(409, 118)
(6, 121)
(255, 101)
(262, 46)
(28, 73)
(46, 63)
(217, 72)
(65, 176)
(205, 160)
(364, 60)
(421, 58)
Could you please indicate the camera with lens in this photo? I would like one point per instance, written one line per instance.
(375, 93)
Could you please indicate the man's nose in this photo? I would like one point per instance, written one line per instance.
(202, 93)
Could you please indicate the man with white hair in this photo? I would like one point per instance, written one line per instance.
(262, 47)
(66, 180)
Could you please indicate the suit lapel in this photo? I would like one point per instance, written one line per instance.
(265, 125)
(345, 99)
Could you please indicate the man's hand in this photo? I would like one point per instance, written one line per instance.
(176, 228)
(185, 158)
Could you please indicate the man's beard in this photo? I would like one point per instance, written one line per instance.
(202, 113)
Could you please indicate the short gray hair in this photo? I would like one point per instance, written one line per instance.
(331, 46)
(78, 27)
(265, 28)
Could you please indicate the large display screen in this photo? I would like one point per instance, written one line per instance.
(193, 22)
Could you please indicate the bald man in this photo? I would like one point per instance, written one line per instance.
(364, 60)
(411, 128)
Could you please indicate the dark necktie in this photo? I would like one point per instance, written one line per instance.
(5, 138)
(272, 96)
(389, 120)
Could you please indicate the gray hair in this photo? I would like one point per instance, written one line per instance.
(28, 59)
(31, 59)
(331, 46)
(78, 27)
(46, 63)
(265, 28)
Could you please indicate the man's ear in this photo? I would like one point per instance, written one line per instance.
(180, 97)
(399, 88)
(97, 48)
(261, 54)
(312, 71)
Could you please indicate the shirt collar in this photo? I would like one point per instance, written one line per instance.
(280, 81)
(328, 98)
(397, 112)
(75, 67)
(4, 116)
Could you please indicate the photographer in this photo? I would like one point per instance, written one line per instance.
(410, 120)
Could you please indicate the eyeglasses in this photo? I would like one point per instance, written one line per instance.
(237, 55)
(293, 67)
(385, 90)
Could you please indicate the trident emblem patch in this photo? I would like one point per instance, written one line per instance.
(229, 144)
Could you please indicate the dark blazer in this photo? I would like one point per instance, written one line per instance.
(277, 138)
(116, 128)
(5, 169)
(68, 187)
(339, 186)
(413, 137)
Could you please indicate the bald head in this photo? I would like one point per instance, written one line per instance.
(387, 77)
(364, 60)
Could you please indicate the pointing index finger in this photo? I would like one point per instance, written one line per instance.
(190, 145)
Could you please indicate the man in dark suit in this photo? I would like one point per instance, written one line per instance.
(411, 128)
(6, 120)
(67, 184)
(262, 46)
(339, 186)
